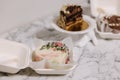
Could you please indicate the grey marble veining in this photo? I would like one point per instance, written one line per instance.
(100, 62)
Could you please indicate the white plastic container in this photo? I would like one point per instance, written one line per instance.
(104, 7)
(107, 35)
(15, 56)
(87, 34)
(100, 8)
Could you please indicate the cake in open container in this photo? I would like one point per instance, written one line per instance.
(108, 26)
(15, 56)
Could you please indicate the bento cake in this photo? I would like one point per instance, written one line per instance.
(54, 52)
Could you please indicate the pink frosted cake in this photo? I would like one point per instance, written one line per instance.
(54, 52)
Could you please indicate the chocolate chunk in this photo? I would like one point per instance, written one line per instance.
(71, 18)
(113, 21)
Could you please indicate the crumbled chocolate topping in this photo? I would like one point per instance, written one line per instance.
(77, 14)
(113, 21)
(74, 12)
(71, 18)
(62, 13)
(72, 8)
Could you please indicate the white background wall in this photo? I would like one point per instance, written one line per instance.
(17, 12)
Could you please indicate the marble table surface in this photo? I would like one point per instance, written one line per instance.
(100, 62)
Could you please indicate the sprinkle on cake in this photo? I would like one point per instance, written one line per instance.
(55, 52)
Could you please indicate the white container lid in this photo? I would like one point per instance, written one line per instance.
(15, 56)
(104, 7)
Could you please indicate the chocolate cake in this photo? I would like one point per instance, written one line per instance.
(110, 24)
(71, 18)
(113, 21)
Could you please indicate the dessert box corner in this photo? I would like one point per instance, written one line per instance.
(99, 11)
(16, 56)
(107, 34)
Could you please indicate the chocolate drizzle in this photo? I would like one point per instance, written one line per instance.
(71, 18)
(113, 21)
(71, 13)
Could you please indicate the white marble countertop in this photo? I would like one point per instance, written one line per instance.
(100, 62)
